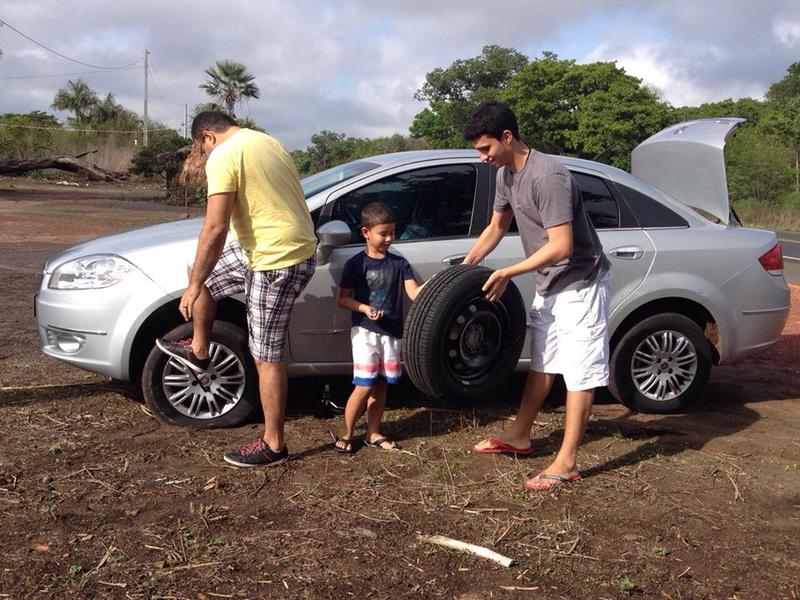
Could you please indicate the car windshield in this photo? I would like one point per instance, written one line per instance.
(314, 184)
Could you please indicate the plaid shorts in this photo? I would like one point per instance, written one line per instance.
(270, 296)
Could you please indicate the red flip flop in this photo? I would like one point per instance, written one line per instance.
(543, 482)
(498, 446)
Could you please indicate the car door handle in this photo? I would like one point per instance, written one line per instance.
(456, 259)
(627, 252)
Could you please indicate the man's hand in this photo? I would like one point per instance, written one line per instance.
(186, 306)
(496, 285)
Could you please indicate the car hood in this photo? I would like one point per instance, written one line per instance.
(131, 244)
(686, 161)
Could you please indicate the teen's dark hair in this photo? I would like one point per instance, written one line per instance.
(376, 213)
(492, 119)
(211, 120)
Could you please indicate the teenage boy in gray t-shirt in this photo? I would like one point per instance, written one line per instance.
(568, 316)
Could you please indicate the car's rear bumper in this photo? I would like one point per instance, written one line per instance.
(760, 307)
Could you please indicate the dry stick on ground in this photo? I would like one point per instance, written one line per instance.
(447, 542)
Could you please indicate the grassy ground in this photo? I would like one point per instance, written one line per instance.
(773, 217)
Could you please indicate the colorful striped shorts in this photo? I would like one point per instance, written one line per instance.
(374, 355)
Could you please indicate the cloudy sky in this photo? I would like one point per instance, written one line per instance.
(352, 66)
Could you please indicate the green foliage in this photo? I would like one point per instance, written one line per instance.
(758, 166)
(747, 108)
(328, 149)
(788, 88)
(78, 98)
(24, 136)
(229, 83)
(160, 157)
(591, 111)
(453, 92)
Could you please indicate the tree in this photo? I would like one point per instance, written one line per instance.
(27, 135)
(453, 92)
(78, 98)
(784, 119)
(757, 165)
(161, 157)
(230, 83)
(592, 110)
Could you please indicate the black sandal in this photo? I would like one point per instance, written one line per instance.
(348, 444)
(379, 442)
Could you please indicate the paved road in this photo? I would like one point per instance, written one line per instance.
(790, 244)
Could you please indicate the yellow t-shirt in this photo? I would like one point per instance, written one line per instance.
(270, 217)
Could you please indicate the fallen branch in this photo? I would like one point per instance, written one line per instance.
(64, 163)
(447, 542)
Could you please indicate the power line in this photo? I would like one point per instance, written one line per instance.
(70, 74)
(27, 37)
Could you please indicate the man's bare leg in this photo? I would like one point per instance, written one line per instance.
(272, 387)
(579, 408)
(518, 435)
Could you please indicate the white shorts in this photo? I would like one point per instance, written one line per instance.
(569, 335)
(374, 355)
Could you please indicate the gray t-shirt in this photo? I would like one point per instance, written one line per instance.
(544, 194)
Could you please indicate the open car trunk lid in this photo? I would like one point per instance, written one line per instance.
(686, 161)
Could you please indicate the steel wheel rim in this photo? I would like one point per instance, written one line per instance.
(205, 395)
(664, 365)
(474, 339)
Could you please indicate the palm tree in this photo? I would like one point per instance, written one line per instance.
(230, 83)
(76, 97)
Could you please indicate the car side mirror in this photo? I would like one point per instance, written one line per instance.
(333, 234)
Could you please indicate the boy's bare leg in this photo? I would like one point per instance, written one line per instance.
(375, 407)
(356, 404)
(579, 407)
(272, 387)
(518, 435)
(203, 313)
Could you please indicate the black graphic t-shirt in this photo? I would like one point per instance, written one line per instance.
(378, 282)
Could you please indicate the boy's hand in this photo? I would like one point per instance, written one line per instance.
(373, 314)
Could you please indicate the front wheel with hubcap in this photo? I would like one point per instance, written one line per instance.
(661, 364)
(223, 396)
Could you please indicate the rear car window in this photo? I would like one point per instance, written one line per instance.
(649, 211)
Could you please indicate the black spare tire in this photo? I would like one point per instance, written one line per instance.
(456, 343)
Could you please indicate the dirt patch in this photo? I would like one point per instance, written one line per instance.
(98, 499)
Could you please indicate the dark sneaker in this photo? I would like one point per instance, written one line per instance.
(257, 454)
(182, 351)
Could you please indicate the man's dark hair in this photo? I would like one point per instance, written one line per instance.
(492, 119)
(211, 120)
(376, 213)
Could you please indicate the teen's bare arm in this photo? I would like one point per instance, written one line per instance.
(490, 237)
(558, 247)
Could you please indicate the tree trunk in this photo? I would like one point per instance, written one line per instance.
(64, 163)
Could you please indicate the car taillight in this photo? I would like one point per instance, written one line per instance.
(772, 260)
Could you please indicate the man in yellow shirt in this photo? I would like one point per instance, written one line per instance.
(253, 188)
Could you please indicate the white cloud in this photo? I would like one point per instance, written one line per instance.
(352, 66)
(787, 32)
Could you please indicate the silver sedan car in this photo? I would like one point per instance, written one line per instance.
(691, 286)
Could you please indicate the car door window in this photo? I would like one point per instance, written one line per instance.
(434, 202)
(599, 204)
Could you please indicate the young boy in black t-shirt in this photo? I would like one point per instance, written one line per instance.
(372, 287)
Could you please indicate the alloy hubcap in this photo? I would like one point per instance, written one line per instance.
(205, 395)
(664, 365)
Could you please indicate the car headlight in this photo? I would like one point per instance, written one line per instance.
(90, 273)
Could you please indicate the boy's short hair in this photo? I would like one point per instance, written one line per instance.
(211, 120)
(490, 118)
(376, 213)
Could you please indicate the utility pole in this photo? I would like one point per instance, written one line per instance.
(144, 134)
(186, 119)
